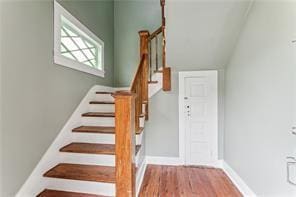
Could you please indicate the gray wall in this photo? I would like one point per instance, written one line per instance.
(259, 96)
(200, 36)
(38, 96)
(129, 18)
(1, 130)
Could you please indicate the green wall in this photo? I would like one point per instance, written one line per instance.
(260, 99)
(38, 96)
(129, 18)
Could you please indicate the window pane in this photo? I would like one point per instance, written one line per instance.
(63, 49)
(69, 44)
(79, 55)
(63, 33)
(94, 63)
(89, 54)
(68, 55)
(69, 32)
(80, 43)
(89, 45)
(77, 46)
(93, 50)
(88, 63)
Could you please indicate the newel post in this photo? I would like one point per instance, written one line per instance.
(144, 50)
(125, 144)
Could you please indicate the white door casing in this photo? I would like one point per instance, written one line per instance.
(198, 119)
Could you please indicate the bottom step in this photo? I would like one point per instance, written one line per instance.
(56, 193)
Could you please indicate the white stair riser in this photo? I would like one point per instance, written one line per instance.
(87, 159)
(104, 121)
(104, 97)
(97, 138)
(98, 121)
(142, 122)
(139, 139)
(95, 159)
(107, 189)
(100, 138)
(102, 107)
(107, 108)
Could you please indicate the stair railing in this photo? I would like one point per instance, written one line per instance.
(132, 105)
(157, 58)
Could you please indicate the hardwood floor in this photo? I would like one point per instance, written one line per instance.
(175, 181)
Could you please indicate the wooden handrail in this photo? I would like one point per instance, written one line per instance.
(155, 33)
(139, 70)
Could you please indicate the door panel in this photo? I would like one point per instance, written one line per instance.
(200, 111)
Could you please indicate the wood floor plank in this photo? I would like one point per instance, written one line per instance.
(175, 181)
(169, 183)
(185, 188)
(152, 181)
(204, 181)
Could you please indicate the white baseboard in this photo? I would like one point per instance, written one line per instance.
(238, 181)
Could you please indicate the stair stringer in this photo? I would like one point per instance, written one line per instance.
(36, 182)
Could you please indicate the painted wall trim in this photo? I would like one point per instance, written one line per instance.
(238, 181)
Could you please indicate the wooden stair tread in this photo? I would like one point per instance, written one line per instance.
(99, 129)
(101, 102)
(95, 129)
(90, 148)
(57, 193)
(150, 82)
(104, 92)
(80, 172)
(99, 114)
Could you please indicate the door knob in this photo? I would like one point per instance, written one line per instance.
(185, 97)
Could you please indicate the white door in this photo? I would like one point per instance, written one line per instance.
(198, 117)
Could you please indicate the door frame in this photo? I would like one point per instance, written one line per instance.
(182, 126)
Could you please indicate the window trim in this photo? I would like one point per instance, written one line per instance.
(64, 61)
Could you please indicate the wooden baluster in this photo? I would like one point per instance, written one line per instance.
(156, 53)
(150, 61)
(125, 144)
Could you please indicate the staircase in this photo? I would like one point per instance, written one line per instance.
(98, 123)
(100, 150)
